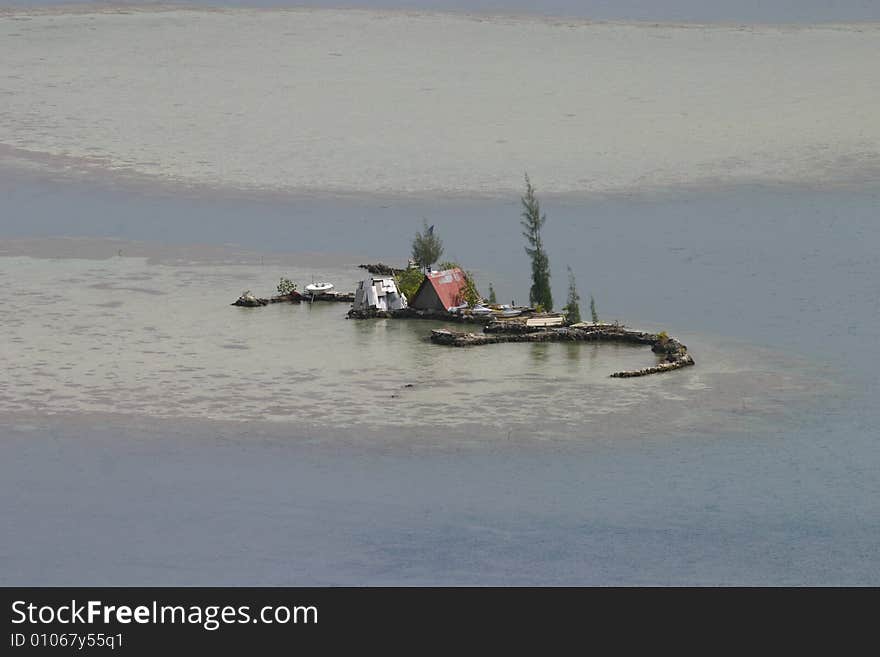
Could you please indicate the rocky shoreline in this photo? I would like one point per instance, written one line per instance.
(250, 301)
(413, 313)
(675, 354)
(381, 269)
(496, 330)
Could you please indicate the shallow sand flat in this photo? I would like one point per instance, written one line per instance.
(414, 103)
(121, 335)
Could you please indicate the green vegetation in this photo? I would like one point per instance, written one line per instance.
(469, 294)
(426, 247)
(492, 298)
(593, 310)
(286, 286)
(408, 282)
(572, 309)
(532, 222)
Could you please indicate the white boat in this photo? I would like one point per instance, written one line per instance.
(319, 288)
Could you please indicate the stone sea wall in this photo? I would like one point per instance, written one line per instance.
(250, 301)
(675, 354)
(413, 313)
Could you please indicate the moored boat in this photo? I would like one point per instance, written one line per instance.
(319, 288)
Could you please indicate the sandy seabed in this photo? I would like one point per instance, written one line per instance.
(368, 101)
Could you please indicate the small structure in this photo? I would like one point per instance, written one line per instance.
(378, 293)
(546, 320)
(440, 291)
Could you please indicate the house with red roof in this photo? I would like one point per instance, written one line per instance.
(441, 290)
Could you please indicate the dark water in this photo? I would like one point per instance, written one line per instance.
(745, 11)
(177, 504)
(790, 497)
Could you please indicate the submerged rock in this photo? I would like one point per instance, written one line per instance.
(684, 360)
(248, 300)
(381, 269)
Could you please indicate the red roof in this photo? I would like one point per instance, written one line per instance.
(449, 286)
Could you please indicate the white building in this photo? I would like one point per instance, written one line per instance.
(378, 293)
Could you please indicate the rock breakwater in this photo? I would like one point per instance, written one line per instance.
(675, 354)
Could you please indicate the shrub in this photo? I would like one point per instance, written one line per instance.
(286, 286)
(408, 282)
(469, 294)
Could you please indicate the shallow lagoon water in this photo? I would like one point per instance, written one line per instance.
(152, 434)
(155, 434)
(124, 335)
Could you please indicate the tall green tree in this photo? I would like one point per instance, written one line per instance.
(593, 311)
(532, 222)
(572, 308)
(427, 247)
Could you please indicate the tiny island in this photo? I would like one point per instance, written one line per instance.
(449, 294)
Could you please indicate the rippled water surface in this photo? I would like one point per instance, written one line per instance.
(130, 335)
(154, 434)
(779, 11)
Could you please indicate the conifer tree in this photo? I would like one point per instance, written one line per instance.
(572, 308)
(426, 247)
(532, 222)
